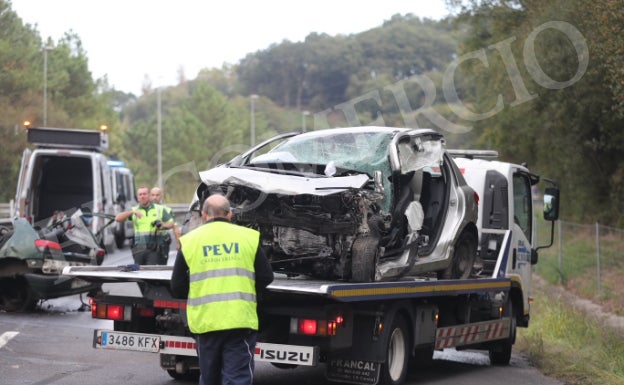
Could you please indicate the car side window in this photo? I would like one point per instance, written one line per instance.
(522, 203)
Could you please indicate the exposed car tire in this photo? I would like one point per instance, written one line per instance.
(394, 370)
(500, 353)
(364, 259)
(16, 295)
(5, 234)
(120, 238)
(464, 255)
(4, 230)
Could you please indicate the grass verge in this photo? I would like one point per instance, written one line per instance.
(567, 345)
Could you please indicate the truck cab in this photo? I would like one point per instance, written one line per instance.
(65, 172)
(506, 203)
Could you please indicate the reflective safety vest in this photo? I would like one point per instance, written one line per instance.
(222, 289)
(143, 229)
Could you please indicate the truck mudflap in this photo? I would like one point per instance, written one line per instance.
(474, 333)
(186, 346)
(353, 371)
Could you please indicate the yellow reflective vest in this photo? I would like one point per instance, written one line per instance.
(222, 292)
(143, 229)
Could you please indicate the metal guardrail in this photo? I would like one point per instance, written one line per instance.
(7, 213)
(178, 208)
(6, 210)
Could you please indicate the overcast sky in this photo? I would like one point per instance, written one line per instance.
(128, 40)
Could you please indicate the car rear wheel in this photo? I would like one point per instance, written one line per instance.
(16, 295)
(464, 255)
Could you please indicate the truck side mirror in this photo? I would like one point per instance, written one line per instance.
(551, 203)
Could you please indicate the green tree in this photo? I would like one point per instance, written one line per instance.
(72, 98)
(571, 133)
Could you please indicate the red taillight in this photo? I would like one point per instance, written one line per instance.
(146, 312)
(111, 311)
(307, 326)
(170, 304)
(313, 327)
(115, 312)
(100, 252)
(93, 305)
(476, 197)
(43, 244)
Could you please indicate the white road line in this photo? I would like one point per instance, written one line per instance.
(6, 337)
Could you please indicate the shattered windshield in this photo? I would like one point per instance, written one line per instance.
(363, 152)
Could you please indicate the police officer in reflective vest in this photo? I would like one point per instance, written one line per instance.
(151, 222)
(156, 196)
(220, 268)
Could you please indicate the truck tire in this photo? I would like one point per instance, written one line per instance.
(363, 259)
(394, 370)
(191, 375)
(500, 353)
(423, 357)
(464, 255)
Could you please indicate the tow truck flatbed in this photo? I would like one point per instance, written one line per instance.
(338, 291)
(409, 287)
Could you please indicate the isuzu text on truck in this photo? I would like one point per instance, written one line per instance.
(362, 332)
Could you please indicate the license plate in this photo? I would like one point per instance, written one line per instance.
(104, 339)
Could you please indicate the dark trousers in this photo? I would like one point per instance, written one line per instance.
(144, 254)
(226, 357)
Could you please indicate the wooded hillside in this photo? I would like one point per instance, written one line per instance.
(541, 82)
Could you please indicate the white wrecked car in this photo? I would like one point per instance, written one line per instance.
(360, 204)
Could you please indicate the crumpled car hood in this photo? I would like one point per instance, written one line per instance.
(274, 183)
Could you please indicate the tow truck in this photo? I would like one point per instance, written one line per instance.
(363, 333)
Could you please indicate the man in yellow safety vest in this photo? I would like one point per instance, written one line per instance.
(221, 269)
(150, 220)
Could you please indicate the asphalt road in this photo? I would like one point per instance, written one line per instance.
(53, 346)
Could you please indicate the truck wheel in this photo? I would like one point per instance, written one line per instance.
(363, 259)
(423, 358)
(191, 375)
(16, 295)
(464, 255)
(500, 354)
(394, 370)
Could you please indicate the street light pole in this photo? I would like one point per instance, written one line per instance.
(252, 133)
(159, 124)
(45, 84)
(304, 114)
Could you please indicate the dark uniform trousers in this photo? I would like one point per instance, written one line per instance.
(233, 350)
